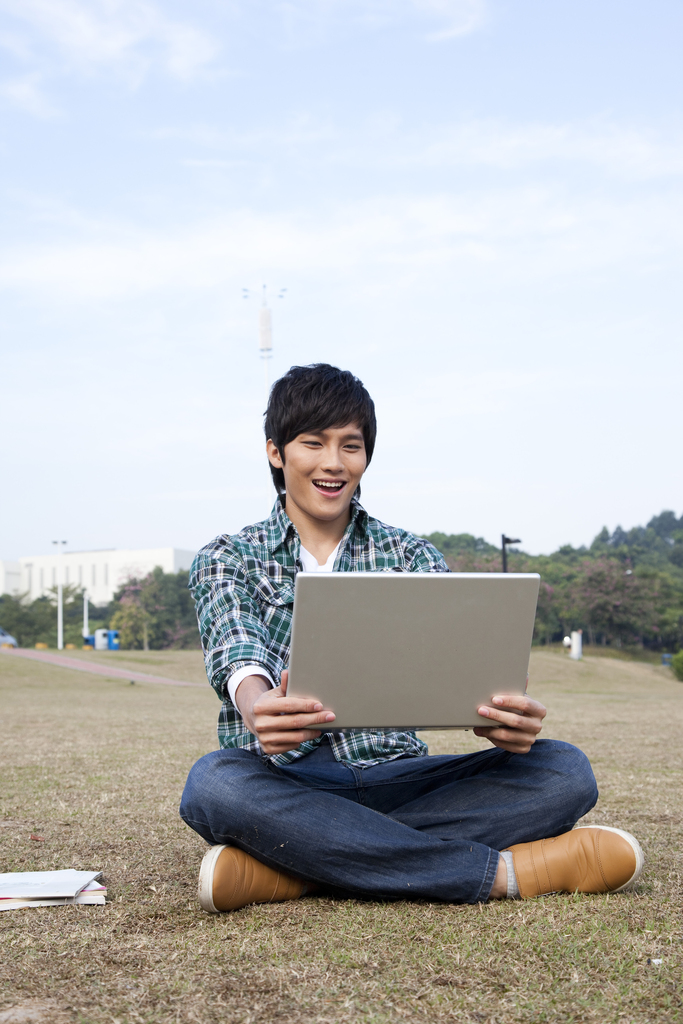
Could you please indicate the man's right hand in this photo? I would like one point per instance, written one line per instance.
(280, 723)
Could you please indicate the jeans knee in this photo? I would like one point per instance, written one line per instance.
(190, 801)
(586, 782)
(576, 768)
(215, 793)
(201, 787)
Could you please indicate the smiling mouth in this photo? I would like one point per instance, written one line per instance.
(329, 486)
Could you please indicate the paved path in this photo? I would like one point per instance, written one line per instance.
(94, 668)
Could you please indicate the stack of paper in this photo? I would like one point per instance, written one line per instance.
(50, 888)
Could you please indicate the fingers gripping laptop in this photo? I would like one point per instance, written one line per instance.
(325, 788)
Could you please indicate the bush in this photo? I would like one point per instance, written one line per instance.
(677, 665)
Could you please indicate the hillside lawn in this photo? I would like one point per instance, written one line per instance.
(96, 767)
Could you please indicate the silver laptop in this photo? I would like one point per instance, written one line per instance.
(409, 650)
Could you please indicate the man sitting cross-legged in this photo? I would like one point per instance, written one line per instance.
(363, 813)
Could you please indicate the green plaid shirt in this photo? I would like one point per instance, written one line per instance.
(243, 587)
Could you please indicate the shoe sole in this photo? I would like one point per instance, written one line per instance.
(635, 846)
(205, 887)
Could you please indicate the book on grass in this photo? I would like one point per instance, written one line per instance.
(93, 894)
(58, 886)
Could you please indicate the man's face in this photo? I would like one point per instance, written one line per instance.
(322, 470)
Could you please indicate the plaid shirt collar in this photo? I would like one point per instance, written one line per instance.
(281, 531)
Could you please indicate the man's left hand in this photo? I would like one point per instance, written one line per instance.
(514, 732)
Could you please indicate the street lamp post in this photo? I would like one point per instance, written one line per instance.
(266, 340)
(504, 543)
(60, 604)
(265, 333)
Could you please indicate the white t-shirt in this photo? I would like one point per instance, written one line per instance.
(310, 564)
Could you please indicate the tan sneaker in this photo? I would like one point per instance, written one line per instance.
(592, 858)
(229, 879)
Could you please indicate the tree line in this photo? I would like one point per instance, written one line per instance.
(624, 590)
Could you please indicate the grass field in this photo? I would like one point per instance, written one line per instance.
(96, 767)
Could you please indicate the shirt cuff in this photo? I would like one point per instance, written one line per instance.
(242, 673)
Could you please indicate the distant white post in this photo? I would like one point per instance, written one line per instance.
(265, 331)
(576, 651)
(86, 630)
(60, 603)
(265, 344)
(265, 325)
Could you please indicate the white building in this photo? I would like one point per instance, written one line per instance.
(101, 573)
(10, 578)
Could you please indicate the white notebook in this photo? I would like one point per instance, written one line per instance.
(94, 894)
(33, 885)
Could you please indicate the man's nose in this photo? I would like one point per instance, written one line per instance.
(332, 460)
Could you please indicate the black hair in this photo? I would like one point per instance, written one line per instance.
(309, 399)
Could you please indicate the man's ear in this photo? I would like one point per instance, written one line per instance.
(273, 454)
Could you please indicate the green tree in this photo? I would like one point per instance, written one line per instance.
(131, 619)
(155, 612)
(625, 590)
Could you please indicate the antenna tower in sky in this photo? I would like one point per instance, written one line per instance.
(265, 329)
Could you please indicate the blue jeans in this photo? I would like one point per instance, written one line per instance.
(413, 828)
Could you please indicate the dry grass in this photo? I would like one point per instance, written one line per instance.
(187, 666)
(96, 767)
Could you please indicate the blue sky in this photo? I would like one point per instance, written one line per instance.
(475, 205)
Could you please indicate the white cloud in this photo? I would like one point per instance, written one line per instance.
(27, 93)
(526, 233)
(16, 45)
(123, 33)
(294, 134)
(134, 35)
(622, 150)
(306, 20)
(614, 147)
(458, 18)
